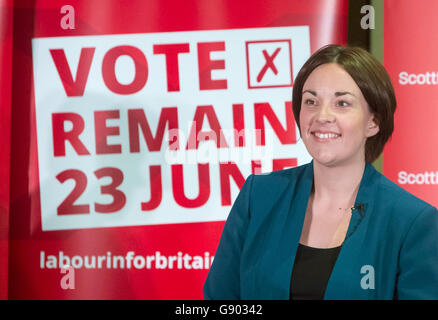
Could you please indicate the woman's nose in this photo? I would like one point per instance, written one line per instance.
(325, 113)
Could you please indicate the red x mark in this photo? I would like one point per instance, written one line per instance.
(269, 64)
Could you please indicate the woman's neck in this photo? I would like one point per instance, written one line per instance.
(337, 185)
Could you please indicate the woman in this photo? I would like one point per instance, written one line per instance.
(334, 228)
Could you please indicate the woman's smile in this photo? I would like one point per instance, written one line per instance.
(321, 136)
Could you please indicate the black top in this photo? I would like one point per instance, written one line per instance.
(311, 272)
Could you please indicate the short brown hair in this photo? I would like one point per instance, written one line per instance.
(371, 78)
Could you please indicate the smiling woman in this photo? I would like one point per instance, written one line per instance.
(310, 232)
(335, 120)
(369, 83)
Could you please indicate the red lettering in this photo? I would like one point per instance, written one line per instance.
(227, 171)
(239, 125)
(156, 189)
(137, 118)
(73, 88)
(264, 110)
(178, 186)
(171, 52)
(109, 75)
(102, 132)
(119, 198)
(206, 65)
(67, 206)
(196, 135)
(60, 136)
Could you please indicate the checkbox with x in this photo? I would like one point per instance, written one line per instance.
(269, 63)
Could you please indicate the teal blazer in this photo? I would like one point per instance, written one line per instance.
(390, 250)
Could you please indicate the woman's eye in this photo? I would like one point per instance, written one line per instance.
(309, 101)
(343, 103)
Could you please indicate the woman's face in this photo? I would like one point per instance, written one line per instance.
(335, 119)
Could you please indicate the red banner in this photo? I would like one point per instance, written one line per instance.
(410, 37)
(134, 124)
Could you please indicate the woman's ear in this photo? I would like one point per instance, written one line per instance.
(372, 127)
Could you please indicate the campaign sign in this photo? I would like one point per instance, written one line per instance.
(161, 128)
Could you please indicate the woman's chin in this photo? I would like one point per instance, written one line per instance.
(328, 160)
